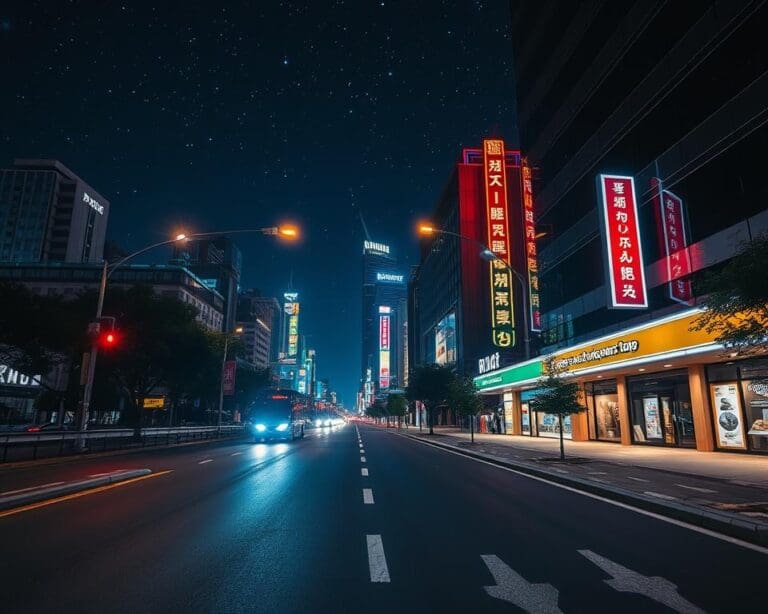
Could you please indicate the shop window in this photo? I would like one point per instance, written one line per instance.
(660, 409)
(603, 403)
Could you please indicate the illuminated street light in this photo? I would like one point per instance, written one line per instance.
(426, 229)
(288, 231)
(181, 236)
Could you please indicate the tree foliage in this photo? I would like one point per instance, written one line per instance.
(737, 300)
(430, 384)
(558, 396)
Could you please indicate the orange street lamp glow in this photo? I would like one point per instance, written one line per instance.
(426, 229)
(239, 330)
(288, 231)
(180, 237)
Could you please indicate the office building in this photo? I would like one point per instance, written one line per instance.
(260, 317)
(218, 262)
(645, 124)
(49, 214)
(384, 322)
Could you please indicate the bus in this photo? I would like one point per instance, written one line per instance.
(277, 415)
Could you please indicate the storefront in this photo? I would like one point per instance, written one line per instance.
(659, 384)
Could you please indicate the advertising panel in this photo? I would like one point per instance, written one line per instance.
(652, 419)
(672, 217)
(384, 332)
(445, 340)
(293, 331)
(230, 368)
(153, 402)
(621, 235)
(729, 418)
(383, 369)
(497, 208)
(384, 347)
(529, 228)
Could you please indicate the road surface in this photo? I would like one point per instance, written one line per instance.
(300, 527)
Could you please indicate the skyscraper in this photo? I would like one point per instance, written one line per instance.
(384, 319)
(49, 214)
(260, 317)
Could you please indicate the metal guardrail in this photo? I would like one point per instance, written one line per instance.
(50, 444)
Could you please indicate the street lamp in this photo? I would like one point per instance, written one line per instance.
(238, 330)
(286, 231)
(426, 229)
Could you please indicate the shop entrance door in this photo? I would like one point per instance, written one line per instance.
(665, 419)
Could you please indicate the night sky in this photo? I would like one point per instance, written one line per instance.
(187, 114)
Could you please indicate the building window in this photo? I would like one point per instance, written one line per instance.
(603, 403)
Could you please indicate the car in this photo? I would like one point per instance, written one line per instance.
(273, 418)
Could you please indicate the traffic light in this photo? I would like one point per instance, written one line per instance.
(109, 339)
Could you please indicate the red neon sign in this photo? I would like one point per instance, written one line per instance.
(383, 332)
(675, 243)
(621, 232)
(497, 208)
(529, 229)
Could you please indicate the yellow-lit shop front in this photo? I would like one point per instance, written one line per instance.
(659, 384)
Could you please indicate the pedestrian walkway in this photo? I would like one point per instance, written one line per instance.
(727, 483)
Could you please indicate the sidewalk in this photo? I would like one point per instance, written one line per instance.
(728, 485)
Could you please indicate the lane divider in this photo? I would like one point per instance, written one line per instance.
(364, 472)
(123, 481)
(368, 496)
(377, 560)
(207, 460)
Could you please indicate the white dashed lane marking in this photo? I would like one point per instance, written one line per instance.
(362, 459)
(235, 453)
(207, 460)
(697, 489)
(368, 496)
(637, 479)
(364, 471)
(658, 495)
(377, 561)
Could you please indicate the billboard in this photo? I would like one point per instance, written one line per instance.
(670, 218)
(497, 207)
(445, 340)
(292, 310)
(529, 231)
(623, 250)
(230, 369)
(384, 346)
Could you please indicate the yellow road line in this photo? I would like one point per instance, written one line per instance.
(75, 495)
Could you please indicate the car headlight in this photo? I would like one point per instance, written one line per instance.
(261, 428)
(282, 427)
(319, 422)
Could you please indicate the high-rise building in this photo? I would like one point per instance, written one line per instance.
(260, 317)
(49, 214)
(218, 262)
(644, 122)
(384, 319)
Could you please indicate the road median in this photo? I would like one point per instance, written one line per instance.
(26, 496)
(725, 523)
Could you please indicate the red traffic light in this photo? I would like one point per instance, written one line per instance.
(108, 339)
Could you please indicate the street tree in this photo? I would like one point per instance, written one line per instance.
(430, 384)
(376, 410)
(465, 401)
(397, 406)
(557, 396)
(737, 300)
(160, 341)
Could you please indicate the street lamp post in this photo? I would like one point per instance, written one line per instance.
(487, 255)
(286, 231)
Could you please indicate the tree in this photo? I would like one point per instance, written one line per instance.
(397, 405)
(430, 384)
(161, 343)
(557, 396)
(376, 409)
(465, 400)
(737, 300)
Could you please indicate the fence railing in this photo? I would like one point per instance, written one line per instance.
(16, 447)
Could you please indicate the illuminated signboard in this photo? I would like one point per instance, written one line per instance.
(378, 248)
(153, 402)
(384, 347)
(621, 234)
(502, 309)
(93, 203)
(445, 340)
(292, 310)
(529, 228)
(230, 369)
(12, 377)
(670, 216)
(390, 278)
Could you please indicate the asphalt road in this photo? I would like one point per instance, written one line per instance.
(245, 527)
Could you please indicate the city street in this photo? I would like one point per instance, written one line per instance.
(341, 522)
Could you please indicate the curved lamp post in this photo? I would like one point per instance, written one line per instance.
(287, 231)
(486, 254)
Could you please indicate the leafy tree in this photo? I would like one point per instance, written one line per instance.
(248, 383)
(430, 384)
(737, 300)
(397, 406)
(466, 401)
(377, 409)
(557, 396)
(160, 343)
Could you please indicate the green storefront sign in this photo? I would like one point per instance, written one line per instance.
(509, 375)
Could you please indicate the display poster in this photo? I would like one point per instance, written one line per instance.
(525, 419)
(728, 416)
(230, 369)
(652, 419)
(756, 398)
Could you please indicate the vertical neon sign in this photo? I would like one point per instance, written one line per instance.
(529, 229)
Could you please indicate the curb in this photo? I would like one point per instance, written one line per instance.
(40, 494)
(55, 460)
(727, 524)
